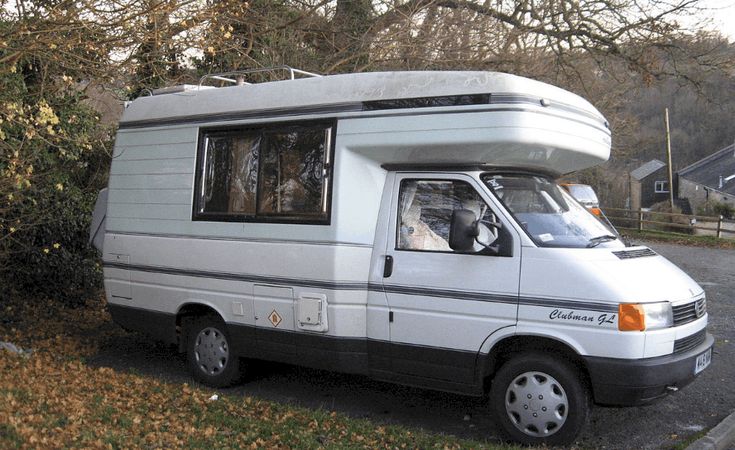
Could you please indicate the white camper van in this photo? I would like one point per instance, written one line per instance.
(402, 225)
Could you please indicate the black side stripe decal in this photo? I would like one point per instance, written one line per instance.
(244, 115)
(495, 298)
(348, 286)
(445, 293)
(569, 304)
(375, 287)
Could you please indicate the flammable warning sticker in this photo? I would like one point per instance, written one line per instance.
(275, 318)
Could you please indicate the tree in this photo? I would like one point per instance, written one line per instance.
(630, 58)
(52, 148)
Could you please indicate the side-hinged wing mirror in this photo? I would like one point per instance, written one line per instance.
(465, 230)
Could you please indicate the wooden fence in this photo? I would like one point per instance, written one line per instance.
(672, 222)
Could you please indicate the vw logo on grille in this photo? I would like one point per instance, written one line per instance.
(701, 307)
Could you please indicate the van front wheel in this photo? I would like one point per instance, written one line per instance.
(539, 400)
(209, 353)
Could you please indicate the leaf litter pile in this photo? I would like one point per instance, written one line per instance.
(49, 398)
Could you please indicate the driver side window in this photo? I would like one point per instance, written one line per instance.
(425, 210)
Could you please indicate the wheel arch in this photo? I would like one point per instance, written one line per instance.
(513, 345)
(539, 413)
(188, 311)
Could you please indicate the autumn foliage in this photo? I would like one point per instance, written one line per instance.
(52, 398)
(53, 159)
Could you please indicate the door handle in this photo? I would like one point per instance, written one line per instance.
(388, 268)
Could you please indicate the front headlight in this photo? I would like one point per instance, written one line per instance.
(658, 315)
(644, 316)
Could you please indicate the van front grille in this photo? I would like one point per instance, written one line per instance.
(689, 312)
(630, 254)
(690, 342)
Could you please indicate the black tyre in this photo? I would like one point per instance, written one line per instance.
(209, 353)
(539, 399)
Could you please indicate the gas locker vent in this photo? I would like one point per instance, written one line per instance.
(311, 312)
(630, 254)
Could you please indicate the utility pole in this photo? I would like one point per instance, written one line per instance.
(668, 155)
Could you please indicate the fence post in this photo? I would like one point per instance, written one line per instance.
(719, 227)
(640, 219)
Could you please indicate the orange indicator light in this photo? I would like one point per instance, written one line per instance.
(631, 317)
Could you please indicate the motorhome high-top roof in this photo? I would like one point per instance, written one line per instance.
(351, 93)
(465, 117)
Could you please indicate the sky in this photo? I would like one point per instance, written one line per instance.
(722, 14)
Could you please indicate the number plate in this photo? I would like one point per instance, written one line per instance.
(703, 361)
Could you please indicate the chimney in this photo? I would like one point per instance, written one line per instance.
(720, 182)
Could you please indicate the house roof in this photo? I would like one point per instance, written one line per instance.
(707, 171)
(647, 169)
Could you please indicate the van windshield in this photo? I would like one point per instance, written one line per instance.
(548, 213)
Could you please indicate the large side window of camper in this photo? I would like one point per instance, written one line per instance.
(230, 174)
(292, 173)
(275, 173)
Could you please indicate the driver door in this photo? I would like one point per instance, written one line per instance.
(445, 304)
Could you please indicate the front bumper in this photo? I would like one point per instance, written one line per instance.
(631, 382)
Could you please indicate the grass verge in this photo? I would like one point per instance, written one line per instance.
(686, 442)
(52, 399)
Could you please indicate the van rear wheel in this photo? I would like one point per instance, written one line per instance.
(209, 353)
(539, 400)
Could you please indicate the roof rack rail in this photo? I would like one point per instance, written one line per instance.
(239, 75)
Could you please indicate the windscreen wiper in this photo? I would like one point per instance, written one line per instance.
(595, 241)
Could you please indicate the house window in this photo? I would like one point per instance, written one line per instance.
(662, 187)
(269, 174)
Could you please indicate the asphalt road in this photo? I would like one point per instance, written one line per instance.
(700, 405)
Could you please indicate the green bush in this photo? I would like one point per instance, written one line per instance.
(54, 157)
(713, 208)
(53, 259)
(724, 210)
